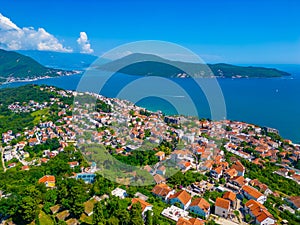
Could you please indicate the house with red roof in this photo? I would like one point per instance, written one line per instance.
(48, 180)
(144, 205)
(222, 207)
(252, 193)
(238, 181)
(73, 164)
(217, 172)
(239, 167)
(159, 179)
(160, 155)
(191, 221)
(162, 191)
(230, 173)
(182, 197)
(294, 201)
(259, 213)
(200, 207)
(229, 195)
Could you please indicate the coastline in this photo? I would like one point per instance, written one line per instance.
(75, 72)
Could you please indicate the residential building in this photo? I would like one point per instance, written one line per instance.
(119, 192)
(294, 201)
(160, 155)
(252, 193)
(144, 205)
(239, 167)
(191, 221)
(162, 191)
(217, 172)
(229, 195)
(259, 213)
(222, 207)
(48, 180)
(182, 197)
(200, 207)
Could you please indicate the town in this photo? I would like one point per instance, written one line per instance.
(198, 171)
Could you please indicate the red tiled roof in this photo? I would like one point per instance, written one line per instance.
(142, 202)
(230, 196)
(252, 191)
(222, 203)
(258, 210)
(161, 190)
(295, 200)
(183, 196)
(47, 178)
(201, 203)
(238, 166)
(192, 221)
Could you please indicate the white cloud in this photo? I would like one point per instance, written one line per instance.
(84, 44)
(13, 37)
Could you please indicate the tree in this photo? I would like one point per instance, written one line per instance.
(136, 214)
(149, 218)
(27, 209)
(72, 195)
(123, 216)
(113, 221)
(98, 217)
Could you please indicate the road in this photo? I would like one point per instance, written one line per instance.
(2, 159)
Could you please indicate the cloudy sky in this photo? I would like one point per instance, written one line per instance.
(256, 31)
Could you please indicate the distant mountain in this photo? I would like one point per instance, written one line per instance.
(152, 65)
(15, 66)
(59, 60)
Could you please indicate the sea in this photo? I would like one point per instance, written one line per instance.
(271, 102)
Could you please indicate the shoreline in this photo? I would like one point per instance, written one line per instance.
(40, 78)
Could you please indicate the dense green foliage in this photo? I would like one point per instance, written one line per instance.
(151, 65)
(138, 158)
(15, 65)
(18, 121)
(101, 106)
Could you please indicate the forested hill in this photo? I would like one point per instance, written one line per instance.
(151, 65)
(15, 66)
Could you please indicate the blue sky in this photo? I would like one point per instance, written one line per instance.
(232, 31)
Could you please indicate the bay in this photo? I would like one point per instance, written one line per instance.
(273, 102)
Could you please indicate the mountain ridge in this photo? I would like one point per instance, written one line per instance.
(152, 65)
(16, 67)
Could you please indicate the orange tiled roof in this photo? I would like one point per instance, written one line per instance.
(158, 178)
(252, 191)
(201, 203)
(240, 180)
(183, 196)
(295, 200)
(222, 203)
(218, 170)
(160, 153)
(192, 221)
(231, 172)
(47, 178)
(142, 202)
(238, 166)
(161, 190)
(258, 210)
(230, 196)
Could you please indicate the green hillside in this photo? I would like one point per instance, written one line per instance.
(14, 66)
(151, 65)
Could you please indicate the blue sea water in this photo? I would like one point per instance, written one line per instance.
(273, 102)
